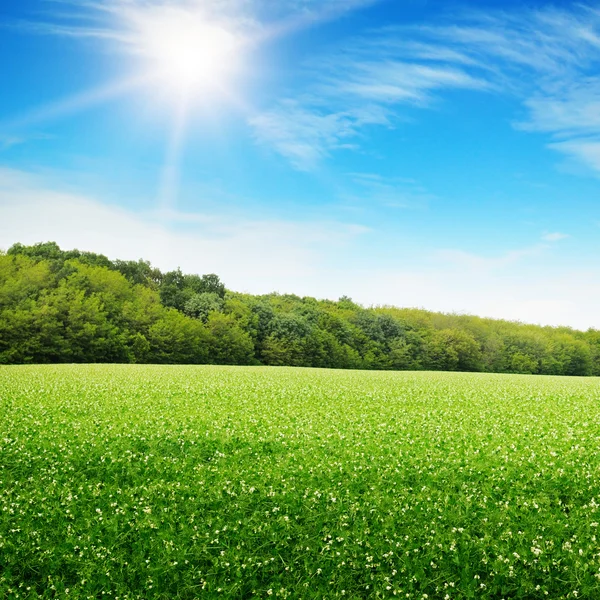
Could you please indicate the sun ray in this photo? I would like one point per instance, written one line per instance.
(78, 102)
(187, 54)
(171, 171)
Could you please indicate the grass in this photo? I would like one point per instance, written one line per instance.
(213, 482)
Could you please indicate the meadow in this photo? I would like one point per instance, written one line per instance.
(147, 482)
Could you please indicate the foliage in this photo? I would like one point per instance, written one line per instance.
(73, 306)
(201, 305)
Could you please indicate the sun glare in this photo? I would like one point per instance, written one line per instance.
(187, 53)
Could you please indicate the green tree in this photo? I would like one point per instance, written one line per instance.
(227, 343)
(69, 305)
(452, 350)
(523, 363)
(201, 305)
(176, 339)
(407, 352)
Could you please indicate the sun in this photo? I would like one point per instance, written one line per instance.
(189, 58)
(184, 51)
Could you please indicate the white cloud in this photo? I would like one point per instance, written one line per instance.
(315, 258)
(340, 107)
(301, 135)
(550, 41)
(584, 151)
(573, 111)
(259, 255)
(396, 82)
(112, 20)
(373, 189)
(489, 264)
(568, 297)
(8, 141)
(547, 57)
(555, 236)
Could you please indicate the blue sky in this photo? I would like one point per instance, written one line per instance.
(419, 153)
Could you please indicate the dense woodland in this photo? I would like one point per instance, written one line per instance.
(69, 306)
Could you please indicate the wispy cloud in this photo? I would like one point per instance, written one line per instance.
(111, 19)
(395, 82)
(303, 135)
(566, 112)
(391, 192)
(548, 58)
(308, 258)
(555, 236)
(306, 135)
(10, 141)
(261, 254)
(585, 151)
(336, 108)
(489, 264)
(506, 260)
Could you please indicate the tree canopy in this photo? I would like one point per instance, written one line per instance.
(73, 306)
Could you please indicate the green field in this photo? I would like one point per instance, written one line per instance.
(209, 482)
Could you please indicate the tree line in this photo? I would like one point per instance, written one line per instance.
(61, 306)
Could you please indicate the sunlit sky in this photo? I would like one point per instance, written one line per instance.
(417, 153)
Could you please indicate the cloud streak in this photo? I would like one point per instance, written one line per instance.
(129, 26)
(555, 236)
(306, 135)
(547, 58)
(259, 254)
(265, 19)
(335, 111)
(487, 265)
(306, 258)
(390, 192)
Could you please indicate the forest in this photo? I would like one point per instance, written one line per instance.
(73, 306)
